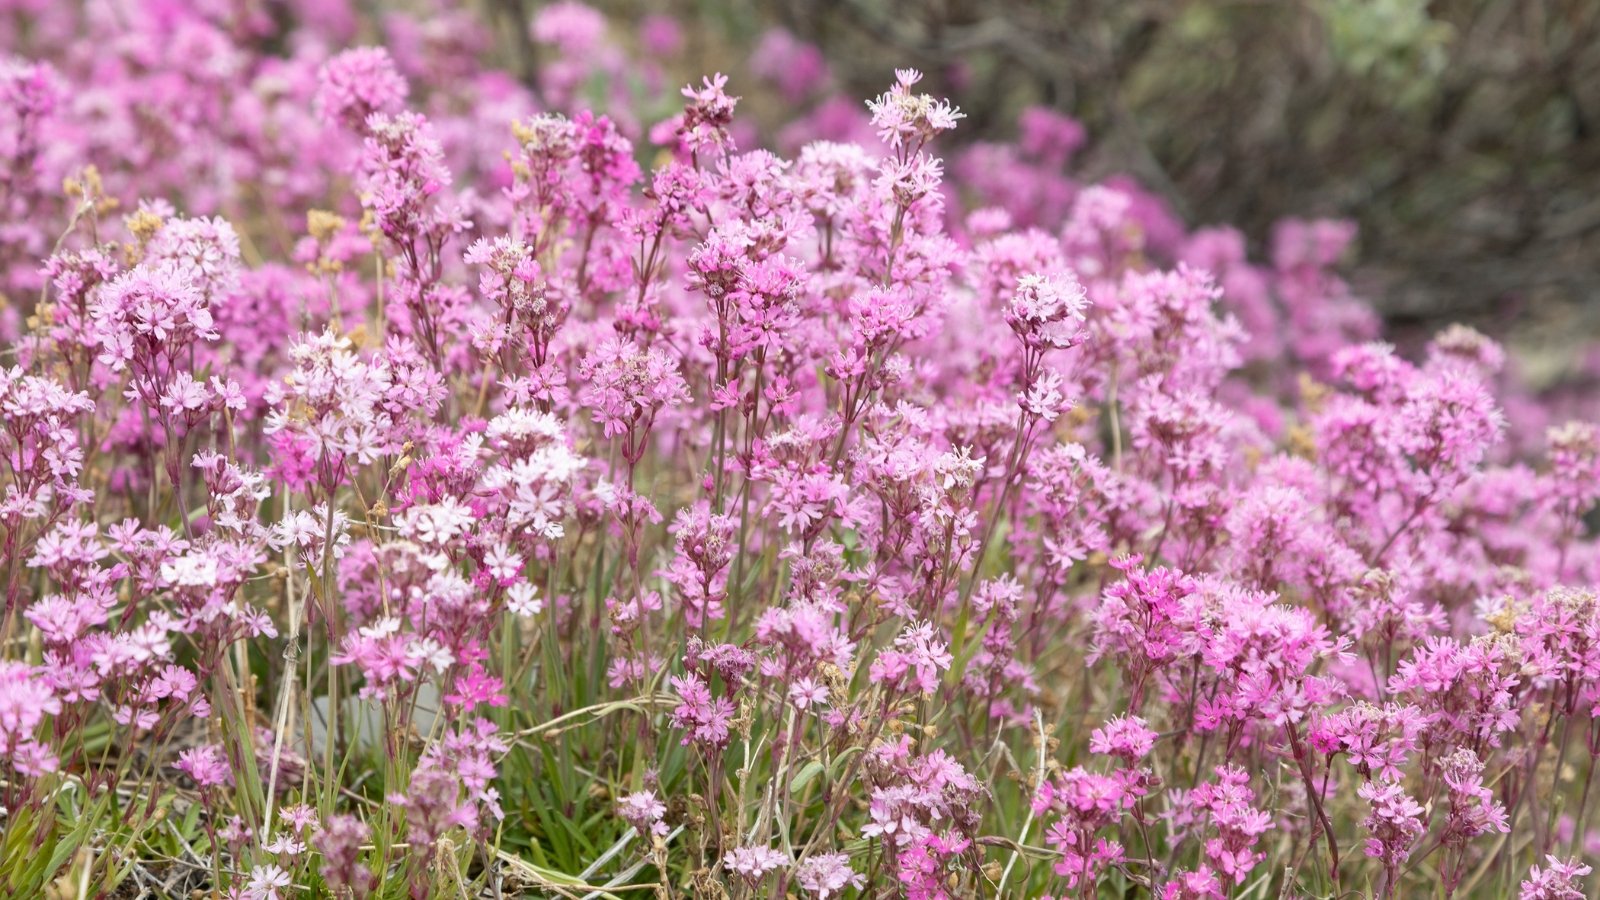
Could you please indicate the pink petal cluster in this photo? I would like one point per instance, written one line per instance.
(412, 479)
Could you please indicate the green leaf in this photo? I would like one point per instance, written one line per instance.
(808, 772)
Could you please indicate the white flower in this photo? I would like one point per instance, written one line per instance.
(502, 563)
(523, 600)
(429, 652)
(435, 523)
(285, 844)
(265, 883)
(191, 570)
(522, 425)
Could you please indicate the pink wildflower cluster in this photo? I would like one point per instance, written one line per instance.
(418, 483)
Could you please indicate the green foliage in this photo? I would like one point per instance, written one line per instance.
(1393, 45)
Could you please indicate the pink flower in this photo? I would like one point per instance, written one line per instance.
(1048, 311)
(571, 26)
(626, 386)
(357, 83)
(1125, 737)
(643, 811)
(704, 719)
(1394, 823)
(1559, 880)
(754, 863)
(906, 120)
(827, 875)
(806, 693)
(25, 701)
(206, 764)
(914, 662)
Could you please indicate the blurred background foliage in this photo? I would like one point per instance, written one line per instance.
(1460, 134)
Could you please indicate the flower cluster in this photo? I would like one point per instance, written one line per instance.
(472, 491)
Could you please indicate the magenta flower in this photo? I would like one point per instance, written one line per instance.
(1126, 737)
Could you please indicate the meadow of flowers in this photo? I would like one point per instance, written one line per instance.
(419, 482)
